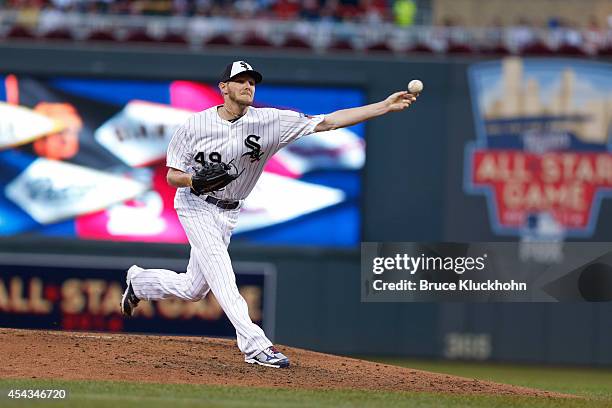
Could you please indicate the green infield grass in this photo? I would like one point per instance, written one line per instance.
(588, 382)
(594, 387)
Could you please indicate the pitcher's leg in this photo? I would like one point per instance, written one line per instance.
(156, 284)
(209, 230)
(215, 262)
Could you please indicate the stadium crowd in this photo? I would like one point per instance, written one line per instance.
(383, 25)
(335, 10)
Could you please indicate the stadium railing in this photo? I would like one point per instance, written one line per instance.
(318, 36)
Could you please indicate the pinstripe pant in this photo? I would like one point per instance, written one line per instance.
(209, 230)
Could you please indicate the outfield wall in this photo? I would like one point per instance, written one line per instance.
(317, 306)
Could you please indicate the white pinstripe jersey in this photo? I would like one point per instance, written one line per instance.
(248, 142)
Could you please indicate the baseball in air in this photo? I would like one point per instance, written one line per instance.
(415, 86)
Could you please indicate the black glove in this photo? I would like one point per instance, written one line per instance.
(213, 176)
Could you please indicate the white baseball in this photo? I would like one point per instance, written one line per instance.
(415, 86)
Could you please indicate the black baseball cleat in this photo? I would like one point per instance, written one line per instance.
(129, 301)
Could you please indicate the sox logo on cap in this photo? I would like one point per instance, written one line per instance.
(238, 67)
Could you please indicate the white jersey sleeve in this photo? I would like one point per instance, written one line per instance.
(294, 125)
(179, 150)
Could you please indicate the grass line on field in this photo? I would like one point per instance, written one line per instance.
(152, 395)
(585, 382)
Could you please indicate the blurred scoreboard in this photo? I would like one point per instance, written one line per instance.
(85, 159)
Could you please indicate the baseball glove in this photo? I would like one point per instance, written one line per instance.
(213, 176)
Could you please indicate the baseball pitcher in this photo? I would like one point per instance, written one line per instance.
(214, 161)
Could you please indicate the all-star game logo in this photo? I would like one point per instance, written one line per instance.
(543, 154)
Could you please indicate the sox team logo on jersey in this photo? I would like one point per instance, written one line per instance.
(255, 152)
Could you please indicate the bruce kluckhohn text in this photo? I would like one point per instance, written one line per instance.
(463, 285)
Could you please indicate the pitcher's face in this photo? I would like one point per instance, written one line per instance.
(240, 89)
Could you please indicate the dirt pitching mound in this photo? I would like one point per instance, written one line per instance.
(196, 360)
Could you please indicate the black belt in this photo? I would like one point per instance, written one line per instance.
(223, 204)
